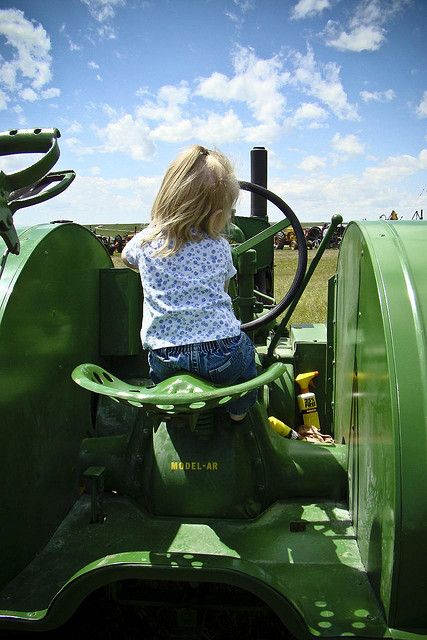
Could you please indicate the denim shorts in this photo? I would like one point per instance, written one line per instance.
(223, 362)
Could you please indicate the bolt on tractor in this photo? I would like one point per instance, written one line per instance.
(128, 504)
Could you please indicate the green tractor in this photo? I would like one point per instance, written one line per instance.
(137, 511)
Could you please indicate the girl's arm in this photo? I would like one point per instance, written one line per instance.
(128, 264)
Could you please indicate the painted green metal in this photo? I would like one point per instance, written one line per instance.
(380, 406)
(127, 482)
(28, 187)
(49, 317)
(281, 330)
(178, 394)
(253, 226)
(251, 243)
(120, 307)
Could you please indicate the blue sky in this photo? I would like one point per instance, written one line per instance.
(335, 89)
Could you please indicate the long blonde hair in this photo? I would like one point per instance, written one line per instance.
(195, 198)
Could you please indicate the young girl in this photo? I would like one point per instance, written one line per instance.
(185, 264)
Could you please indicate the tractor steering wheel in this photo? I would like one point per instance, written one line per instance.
(302, 254)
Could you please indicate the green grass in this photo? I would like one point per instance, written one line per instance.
(313, 305)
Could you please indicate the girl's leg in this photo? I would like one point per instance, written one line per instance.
(231, 363)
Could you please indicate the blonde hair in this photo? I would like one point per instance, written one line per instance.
(195, 198)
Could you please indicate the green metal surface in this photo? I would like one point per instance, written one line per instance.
(120, 307)
(309, 351)
(251, 226)
(29, 186)
(183, 392)
(126, 481)
(294, 571)
(49, 315)
(380, 406)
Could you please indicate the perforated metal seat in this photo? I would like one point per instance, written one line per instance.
(182, 393)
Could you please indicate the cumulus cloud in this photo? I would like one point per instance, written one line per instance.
(365, 30)
(362, 38)
(217, 128)
(421, 109)
(396, 168)
(129, 136)
(256, 82)
(368, 194)
(308, 8)
(28, 70)
(167, 105)
(323, 82)
(178, 113)
(312, 163)
(348, 145)
(308, 114)
(378, 96)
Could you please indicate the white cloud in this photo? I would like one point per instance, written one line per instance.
(308, 8)
(378, 96)
(104, 11)
(362, 38)
(348, 145)
(48, 94)
(127, 135)
(312, 163)
(217, 128)
(3, 100)
(74, 127)
(168, 104)
(95, 200)
(375, 191)
(397, 167)
(30, 61)
(256, 82)
(28, 94)
(244, 6)
(93, 65)
(365, 30)
(179, 131)
(323, 82)
(308, 114)
(421, 109)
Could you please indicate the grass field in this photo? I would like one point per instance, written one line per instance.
(313, 305)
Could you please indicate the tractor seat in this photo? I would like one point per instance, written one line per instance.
(181, 393)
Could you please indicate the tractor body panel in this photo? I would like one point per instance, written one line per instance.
(380, 403)
(49, 320)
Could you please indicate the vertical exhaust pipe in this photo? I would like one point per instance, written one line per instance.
(259, 176)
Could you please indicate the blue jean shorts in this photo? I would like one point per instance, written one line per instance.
(222, 362)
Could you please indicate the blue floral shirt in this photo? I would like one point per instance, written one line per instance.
(184, 297)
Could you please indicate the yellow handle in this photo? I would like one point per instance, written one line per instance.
(279, 427)
(304, 379)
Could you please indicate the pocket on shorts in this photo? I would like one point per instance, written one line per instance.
(224, 367)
